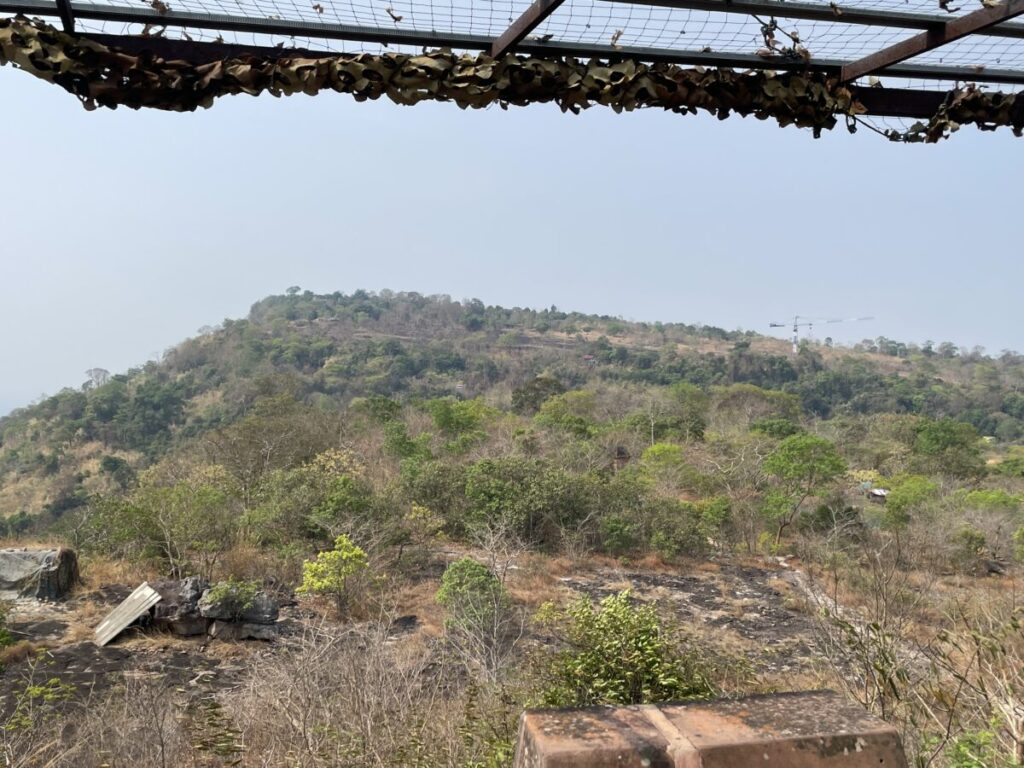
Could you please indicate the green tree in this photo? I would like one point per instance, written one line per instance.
(458, 417)
(778, 428)
(617, 653)
(528, 398)
(992, 500)
(334, 572)
(664, 468)
(948, 447)
(572, 412)
(538, 499)
(688, 410)
(906, 493)
(319, 499)
(803, 466)
(185, 516)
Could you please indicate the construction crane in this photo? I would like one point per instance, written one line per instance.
(809, 323)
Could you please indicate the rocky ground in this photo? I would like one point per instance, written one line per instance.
(743, 610)
(739, 609)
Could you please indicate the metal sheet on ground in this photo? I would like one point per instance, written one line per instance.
(136, 604)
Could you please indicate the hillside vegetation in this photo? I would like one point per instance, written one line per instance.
(323, 352)
(347, 446)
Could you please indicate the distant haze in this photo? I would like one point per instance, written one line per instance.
(124, 232)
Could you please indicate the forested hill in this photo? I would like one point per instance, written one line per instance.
(322, 358)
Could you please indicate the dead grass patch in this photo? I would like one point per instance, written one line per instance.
(534, 583)
(13, 543)
(97, 571)
(420, 599)
(707, 566)
(154, 641)
(83, 619)
(17, 652)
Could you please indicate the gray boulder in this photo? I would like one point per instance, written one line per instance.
(178, 609)
(263, 609)
(43, 574)
(241, 630)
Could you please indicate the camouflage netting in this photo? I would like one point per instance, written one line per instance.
(103, 76)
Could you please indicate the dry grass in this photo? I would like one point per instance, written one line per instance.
(792, 599)
(13, 543)
(83, 619)
(419, 599)
(250, 563)
(17, 652)
(534, 582)
(98, 571)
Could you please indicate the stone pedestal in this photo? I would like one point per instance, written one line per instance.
(819, 729)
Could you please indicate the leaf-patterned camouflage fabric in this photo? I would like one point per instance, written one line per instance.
(106, 77)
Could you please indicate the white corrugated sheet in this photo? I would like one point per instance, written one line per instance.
(136, 604)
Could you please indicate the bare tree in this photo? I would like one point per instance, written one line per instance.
(97, 377)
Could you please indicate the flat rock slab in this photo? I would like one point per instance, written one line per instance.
(819, 729)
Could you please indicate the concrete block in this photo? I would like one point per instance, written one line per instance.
(818, 729)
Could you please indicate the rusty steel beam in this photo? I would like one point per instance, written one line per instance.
(929, 40)
(196, 52)
(837, 14)
(530, 19)
(67, 15)
(900, 102)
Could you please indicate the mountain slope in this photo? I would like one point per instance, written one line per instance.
(326, 350)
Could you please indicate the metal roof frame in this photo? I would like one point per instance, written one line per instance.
(936, 30)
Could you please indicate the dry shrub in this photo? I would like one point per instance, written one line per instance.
(98, 570)
(83, 618)
(137, 724)
(141, 723)
(250, 563)
(354, 697)
(420, 599)
(16, 652)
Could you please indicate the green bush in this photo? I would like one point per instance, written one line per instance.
(619, 535)
(617, 653)
(975, 749)
(778, 428)
(332, 573)
(237, 596)
(675, 528)
(969, 546)
(471, 593)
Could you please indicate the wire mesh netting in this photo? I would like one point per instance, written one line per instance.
(599, 24)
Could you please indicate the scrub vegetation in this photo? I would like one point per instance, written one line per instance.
(380, 454)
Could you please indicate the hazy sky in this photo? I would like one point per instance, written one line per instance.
(124, 232)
